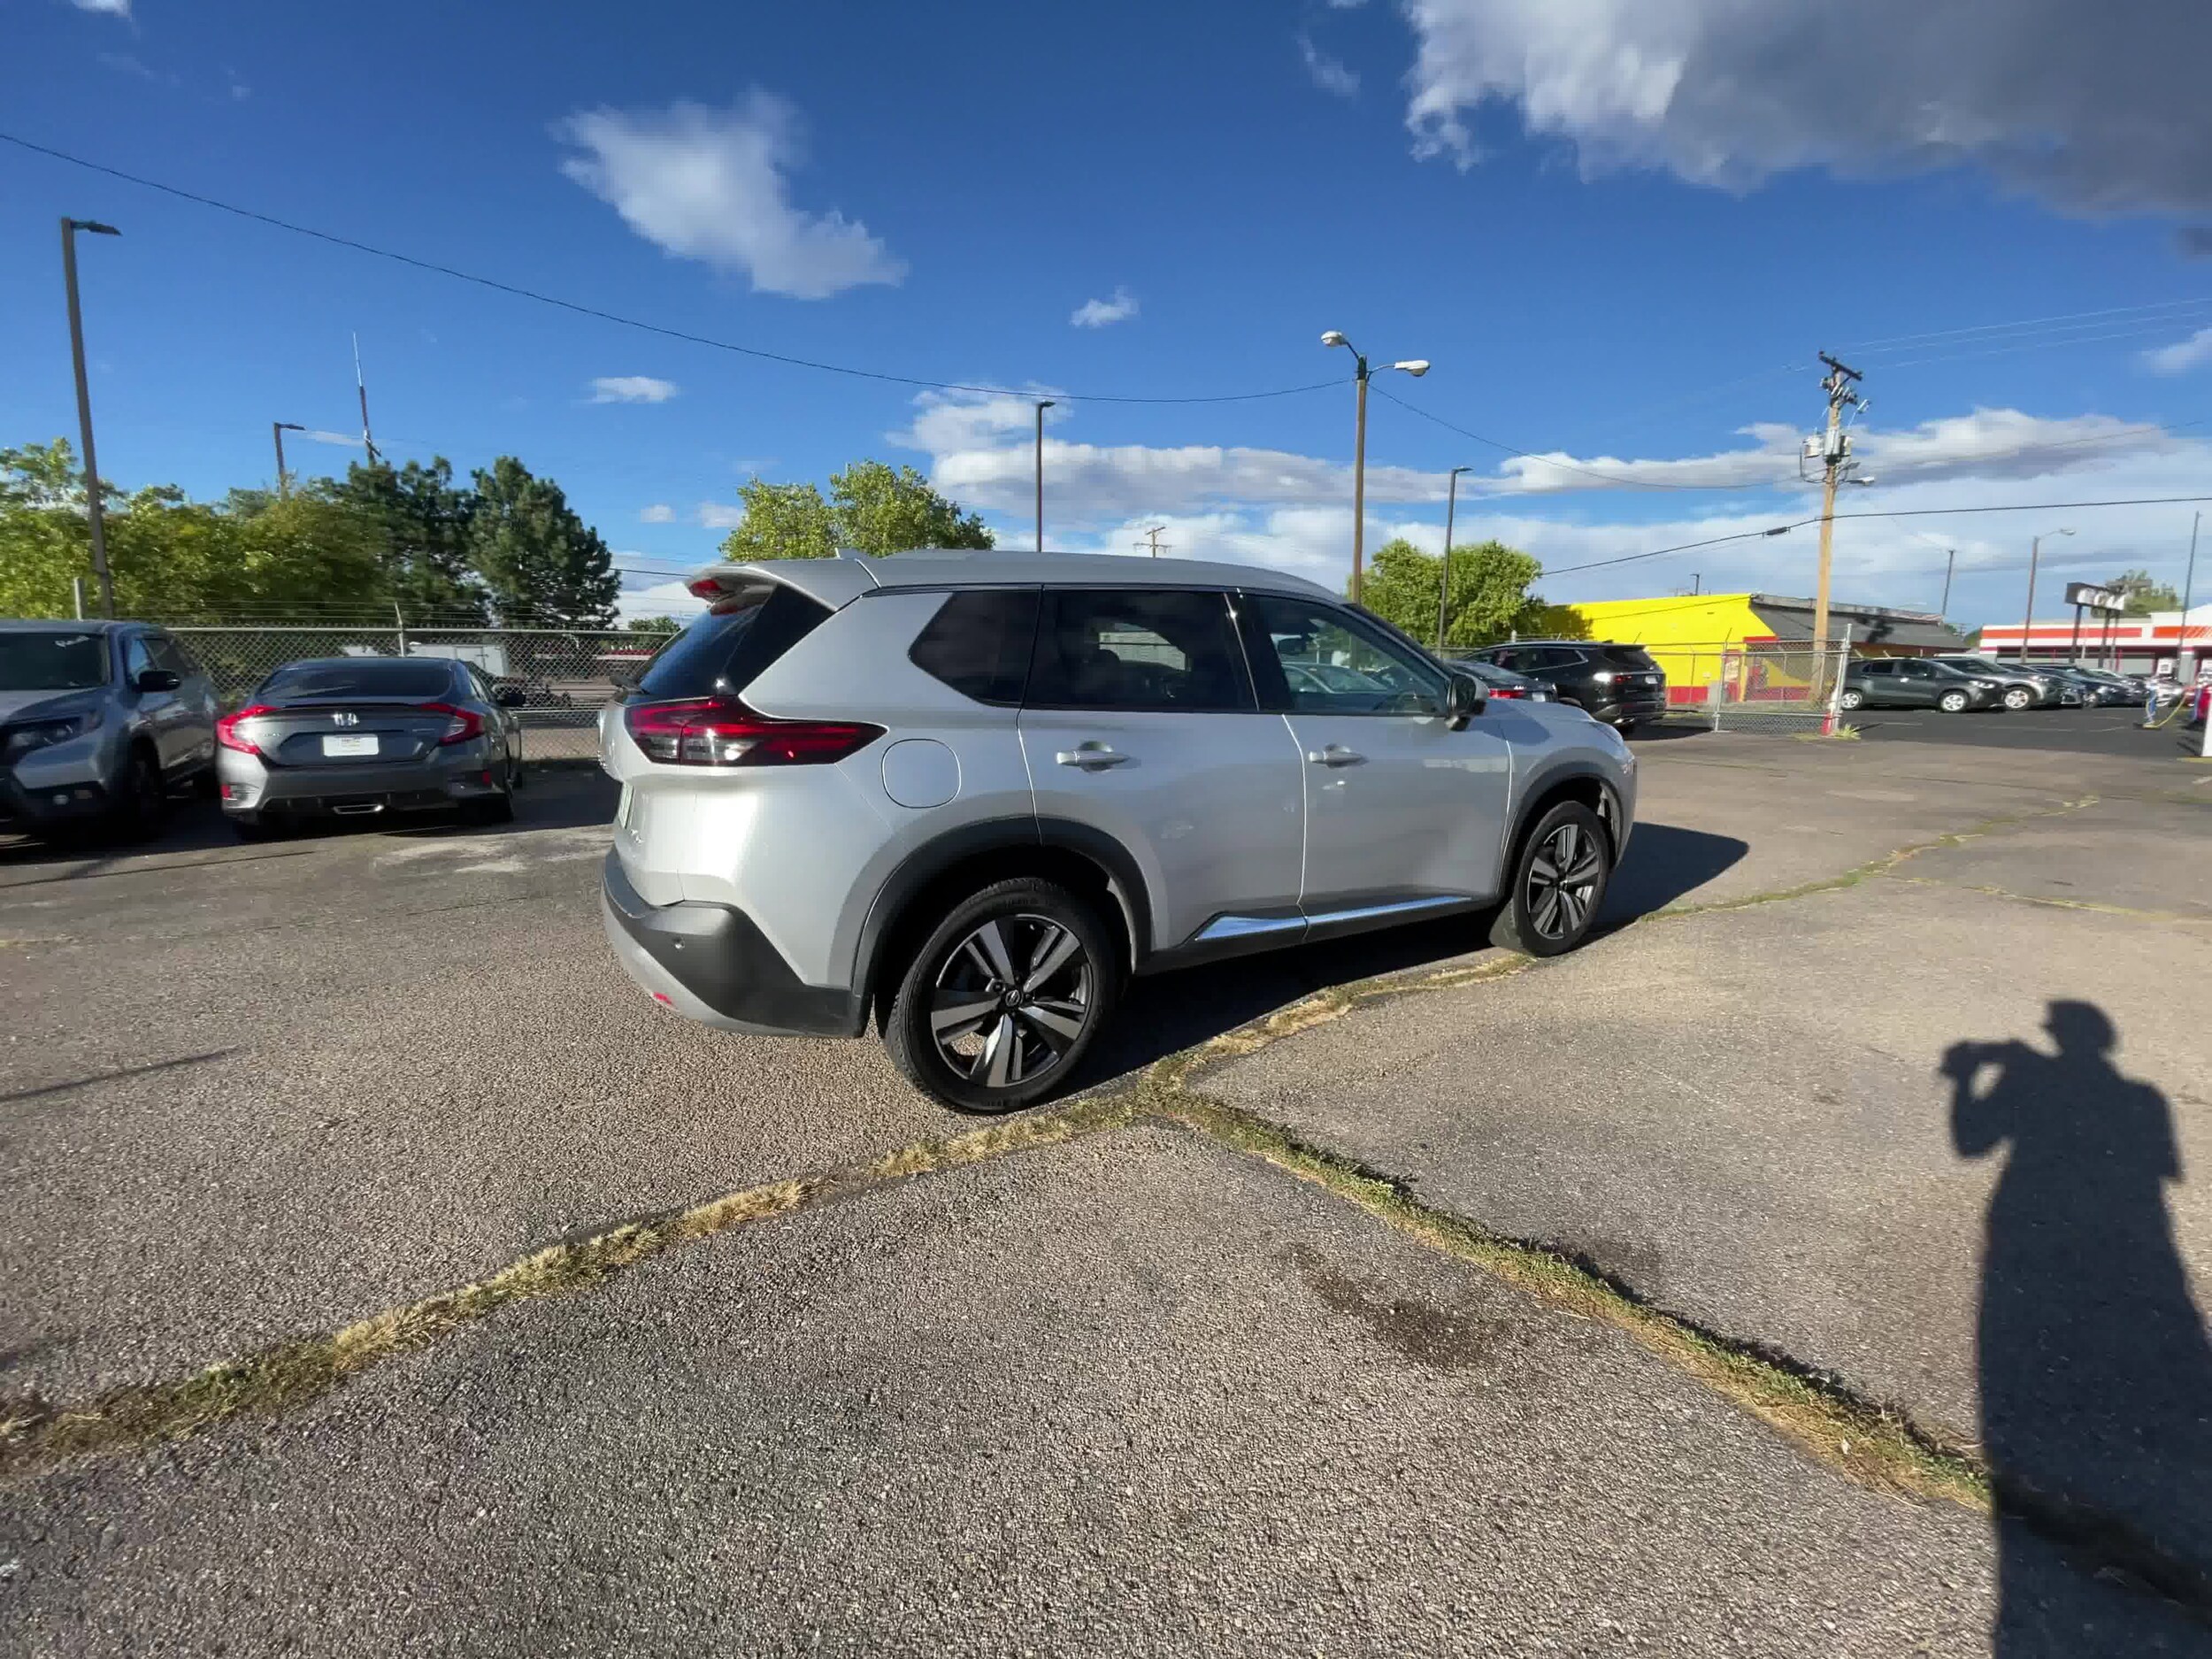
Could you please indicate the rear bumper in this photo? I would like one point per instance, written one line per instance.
(1642, 705)
(250, 787)
(713, 963)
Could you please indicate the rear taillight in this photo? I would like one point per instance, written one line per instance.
(1507, 691)
(722, 732)
(461, 724)
(229, 735)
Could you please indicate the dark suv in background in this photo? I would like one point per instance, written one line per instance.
(1618, 684)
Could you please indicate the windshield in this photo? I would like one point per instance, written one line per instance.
(369, 677)
(62, 660)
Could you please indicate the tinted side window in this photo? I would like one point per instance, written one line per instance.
(1880, 671)
(1559, 658)
(167, 653)
(1105, 650)
(979, 643)
(137, 657)
(725, 651)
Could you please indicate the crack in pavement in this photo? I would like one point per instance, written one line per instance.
(2130, 911)
(1874, 1445)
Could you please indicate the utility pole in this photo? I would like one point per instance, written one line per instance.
(362, 386)
(1444, 564)
(94, 516)
(1950, 563)
(2188, 590)
(1041, 407)
(2027, 624)
(277, 429)
(1151, 538)
(1835, 463)
(1697, 583)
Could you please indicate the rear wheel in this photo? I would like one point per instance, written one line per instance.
(1004, 998)
(1559, 883)
(1955, 701)
(1852, 698)
(492, 809)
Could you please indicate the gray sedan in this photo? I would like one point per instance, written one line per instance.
(362, 736)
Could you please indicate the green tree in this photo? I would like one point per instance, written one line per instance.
(871, 507)
(2142, 595)
(1489, 598)
(655, 627)
(427, 523)
(782, 521)
(545, 566)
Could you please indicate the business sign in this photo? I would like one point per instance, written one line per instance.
(2089, 596)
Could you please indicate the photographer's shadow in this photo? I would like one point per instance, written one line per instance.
(2094, 1367)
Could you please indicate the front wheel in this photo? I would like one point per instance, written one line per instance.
(2018, 697)
(1559, 882)
(1955, 702)
(1852, 698)
(143, 801)
(1003, 997)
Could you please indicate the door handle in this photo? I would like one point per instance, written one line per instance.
(1091, 756)
(1335, 755)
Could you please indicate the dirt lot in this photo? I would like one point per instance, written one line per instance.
(1687, 1294)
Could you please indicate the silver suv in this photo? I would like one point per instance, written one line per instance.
(965, 795)
(98, 722)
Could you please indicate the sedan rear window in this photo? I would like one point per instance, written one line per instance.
(725, 651)
(364, 677)
(62, 660)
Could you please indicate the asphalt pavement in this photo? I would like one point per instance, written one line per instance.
(1131, 1390)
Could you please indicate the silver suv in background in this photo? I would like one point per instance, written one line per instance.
(964, 797)
(98, 722)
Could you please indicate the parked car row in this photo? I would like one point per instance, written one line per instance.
(1959, 684)
(1618, 684)
(102, 722)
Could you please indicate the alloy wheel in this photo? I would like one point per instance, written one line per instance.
(1010, 999)
(1563, 881)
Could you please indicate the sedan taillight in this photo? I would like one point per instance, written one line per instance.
(461, 724)
(722, 732)
(229, 735)
(1507, 691)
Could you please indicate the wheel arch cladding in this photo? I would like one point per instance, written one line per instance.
(1582, 785)
(939, 875)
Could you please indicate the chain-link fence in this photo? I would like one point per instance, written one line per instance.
(560, 678)
(1739, 686)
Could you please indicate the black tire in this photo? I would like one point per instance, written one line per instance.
(1545, 915)
(205, 785)
(255, 829)
(1953, 702)
(1031, 1036)
(1852, 698)
(142, 802)
(491, 809)
(2018, 697)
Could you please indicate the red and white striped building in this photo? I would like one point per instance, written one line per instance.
(2131, 645)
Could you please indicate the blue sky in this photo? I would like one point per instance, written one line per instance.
(1619, 229)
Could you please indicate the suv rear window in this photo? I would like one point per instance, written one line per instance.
(980, 643)
(725, 651)
(1633, 658)
(369, 677)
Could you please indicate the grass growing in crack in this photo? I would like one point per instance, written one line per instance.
(1876, 1447)
(35, 1435)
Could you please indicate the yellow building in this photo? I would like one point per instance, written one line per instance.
(1755, 646)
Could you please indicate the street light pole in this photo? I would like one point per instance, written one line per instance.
(277, 429)
(1041, 407)
(2027, 625)
(1414, 366)
(1444, 567)
(1950, 563)
(93, 516)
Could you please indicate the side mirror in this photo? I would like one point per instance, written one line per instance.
(158, 680)
(1463, 700)
(507, 696)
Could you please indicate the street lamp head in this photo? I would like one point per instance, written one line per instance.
(1333, 338)
(1046, 403)
(93, 226)
(1414, 366)
(1456, 471)
(290, 425)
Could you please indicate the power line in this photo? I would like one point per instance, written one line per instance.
(579, 309)
(1546, 460)
(2063, 319)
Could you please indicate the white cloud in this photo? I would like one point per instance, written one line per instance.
(1328, 74)
(109, 8)
(659, 512)
(631, 388)
(711, 185)
(720, 515)
(2182, 356)
(2093, 110)
(1100, 314)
